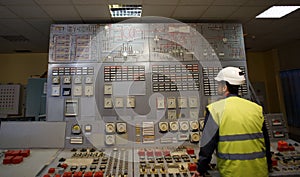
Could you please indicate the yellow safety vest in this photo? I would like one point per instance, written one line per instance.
(241, 146)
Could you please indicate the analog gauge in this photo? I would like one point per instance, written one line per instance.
(88, 90)
(121, 127)
(110, 128)
(172, 114)
(55, 80)
(55, 90)
(130, 102)
(194, 125)
(171, 102)
(77, 90)
(182, 102)
(163, 126)
(89, 79)
(201, 122)
(193, 102)
(77, 80)
(194, 113)
(76, 130)
(160, 102)
(195, 137)
(67, 80)
(109, 139)
(174, 126)
(184, 126)
(107, 103)
(119, 102)
(108, 89)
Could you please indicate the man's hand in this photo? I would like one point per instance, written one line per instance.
(197, 174)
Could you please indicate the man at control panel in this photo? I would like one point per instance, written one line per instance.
(235, 127)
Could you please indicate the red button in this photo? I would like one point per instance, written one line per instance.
(192, 166)
(64, 165)
(67, 174)
(98, 174)
(167, 153)
(190, 151)
(8, 153)
(17, 159)
(46, 175)
(141, 152)
(8, 159)
(57, 175)
(51, 170)
(150, 153)
(16, 153)
(25, 153)
(88, 174)
(158, 153)
(78, 174)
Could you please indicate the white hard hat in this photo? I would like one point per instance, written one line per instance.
(233, 75)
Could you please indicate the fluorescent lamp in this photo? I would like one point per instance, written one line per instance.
(125, 11)
(277, 11)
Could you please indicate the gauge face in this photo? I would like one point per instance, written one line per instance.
(171, 102)
(108, 89)
(77, 80)
(107, 102)
(89, 90)
(67, 80)
(89, 79)
(130, 102)
(77, 90)
(55, 90)
(163, 126)
(172, 114)
(193, 102)
(194, 113)
(182, 102)
(119, 102)
(55, 80)
(160, 102)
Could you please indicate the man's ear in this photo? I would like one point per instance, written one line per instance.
(224, 88)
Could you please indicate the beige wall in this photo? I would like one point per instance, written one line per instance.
(17, 68)
(263, 67)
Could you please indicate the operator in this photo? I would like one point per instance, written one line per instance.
(236, 129)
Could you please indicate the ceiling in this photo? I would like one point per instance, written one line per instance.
(24, 24)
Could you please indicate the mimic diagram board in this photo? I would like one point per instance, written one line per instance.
(137, 84)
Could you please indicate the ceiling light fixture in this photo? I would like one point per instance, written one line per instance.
(125, 11)
(277, 11)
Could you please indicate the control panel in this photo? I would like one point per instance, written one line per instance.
(132, 98)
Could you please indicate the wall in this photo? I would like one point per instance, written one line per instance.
(17, 68)
(263, 68)
(289, 57)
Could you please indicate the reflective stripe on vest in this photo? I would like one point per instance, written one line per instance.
(241, 137)
(249, 156)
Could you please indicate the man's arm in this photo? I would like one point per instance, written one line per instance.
(267, 143)
(208, 144)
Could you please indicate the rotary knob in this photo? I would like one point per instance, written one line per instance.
(163, 126)
(174, 126)
(110, 128)
(194, 125)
